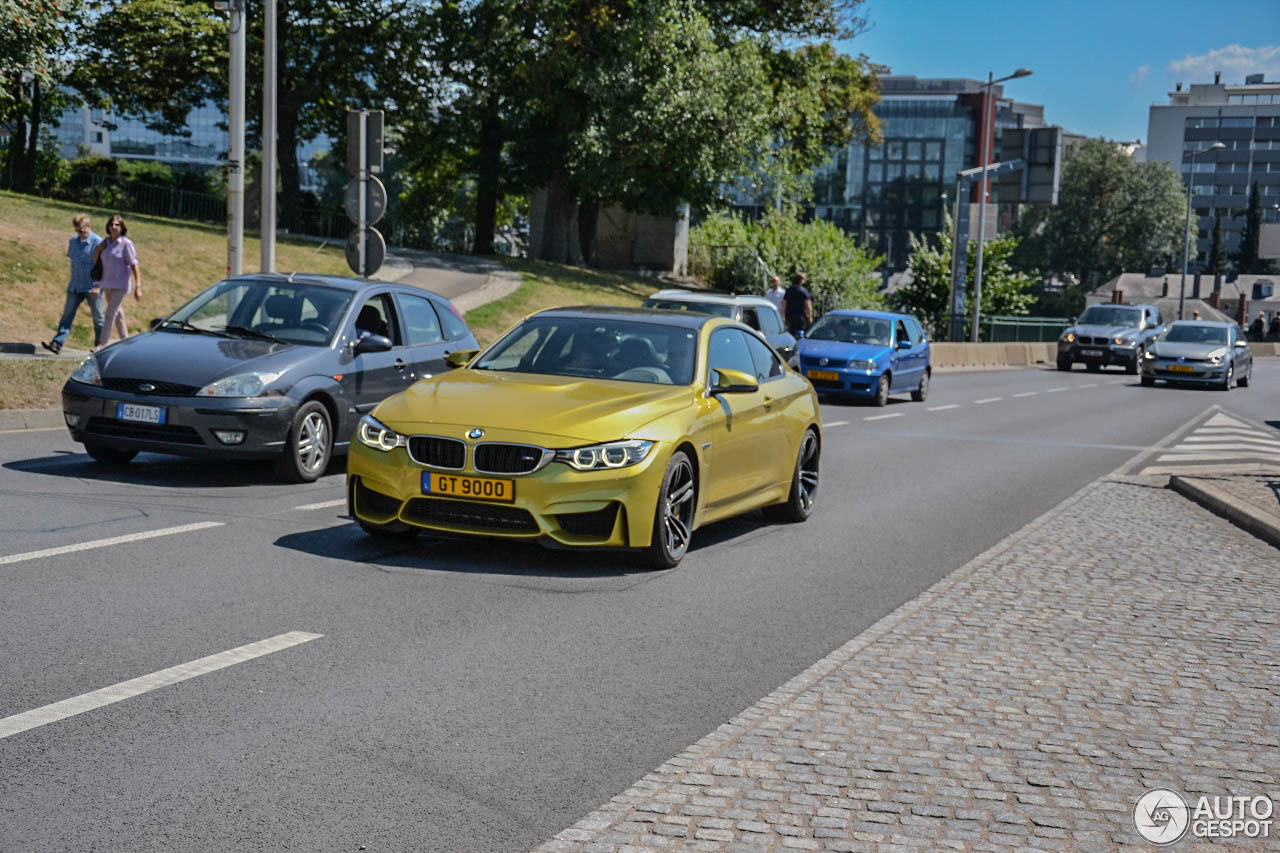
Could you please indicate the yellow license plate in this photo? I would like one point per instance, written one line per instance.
(1181, 368)
(471, 488)
(824, 374)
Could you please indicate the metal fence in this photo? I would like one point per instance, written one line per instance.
(147, 199)
(999, 329)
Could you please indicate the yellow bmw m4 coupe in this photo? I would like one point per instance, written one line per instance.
(597, 428)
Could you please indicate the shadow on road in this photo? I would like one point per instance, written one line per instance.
(151, 469)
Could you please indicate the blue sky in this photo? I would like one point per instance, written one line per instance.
(1098, 65)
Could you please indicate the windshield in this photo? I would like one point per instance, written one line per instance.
(715, 309)
(1178, 334)
(292, 313)
(1111, 315)
(602, 349)
(851, 330)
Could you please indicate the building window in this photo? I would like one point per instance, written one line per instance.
(1237, 121)
(1202, 121)
(913, 150)
(895, 151)
(1268, 121)
(97, 136)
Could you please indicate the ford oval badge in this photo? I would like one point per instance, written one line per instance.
(146, 387)
(476, 433)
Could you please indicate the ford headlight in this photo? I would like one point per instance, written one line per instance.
(87, 372)
(615, 454)
(375, 435)
(240, 385)
(862, 364)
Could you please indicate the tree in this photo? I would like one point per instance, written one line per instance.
(1113, 215)
(1246, 257)
(1217, 251)
(928, 295)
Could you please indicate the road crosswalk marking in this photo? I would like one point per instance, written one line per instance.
(1221, 444)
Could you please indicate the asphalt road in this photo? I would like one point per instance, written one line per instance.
(472, 696)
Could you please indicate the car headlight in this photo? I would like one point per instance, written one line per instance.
(375, 435)
(87, 372)
(1069, 337)
(1123, 342)
(614, 454)
(862, 364)
(1149, 356)
(240, 385)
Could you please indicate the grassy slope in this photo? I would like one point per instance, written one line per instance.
(179, 259)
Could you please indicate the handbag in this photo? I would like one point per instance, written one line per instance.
(95, 273)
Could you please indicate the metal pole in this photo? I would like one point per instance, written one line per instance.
(268, 225)
(955, 321)
(235, 128)
(364, 184)
(982, 211)
(1186, 242)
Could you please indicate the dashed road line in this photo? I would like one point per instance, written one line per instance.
(32, 429)
(882, 417)
(328, 504)
(987, 400)
(103, 543)
(1026, 394)
(146, 683)
(824, 426)
(943, 408)
(1056, 390)
(1090, 385)
(1119, 382)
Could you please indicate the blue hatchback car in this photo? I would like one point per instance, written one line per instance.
(869, 354)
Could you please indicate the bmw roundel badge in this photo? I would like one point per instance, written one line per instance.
(476, 433)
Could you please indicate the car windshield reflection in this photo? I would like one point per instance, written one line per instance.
(851, 330)
(278, 311)
(1196, 335)
(715, 309)
(594, 348)
(1110, 315)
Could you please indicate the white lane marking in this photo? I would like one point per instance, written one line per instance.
(882, 417)
(32, 429)
(146, 683)
(987, 400)
(1026, 394)
(1055, 390)
(835, 424)
(1118, 381)
(327, 504)
(103, 543)
(943, 408)
(1240, 440)
(1090, 385)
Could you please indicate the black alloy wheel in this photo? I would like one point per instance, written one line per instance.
(922, 393)
(109, 455)
(1136, 367)
(308, 445)
(881, 398)
(804, 484)
(673, 516)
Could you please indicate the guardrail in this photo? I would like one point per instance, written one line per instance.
(948, 356)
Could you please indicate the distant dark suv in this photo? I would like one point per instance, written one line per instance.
(1110, 335)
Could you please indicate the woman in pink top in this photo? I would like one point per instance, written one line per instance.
(119, 270)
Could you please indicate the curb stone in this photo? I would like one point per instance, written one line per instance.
(1264, 525)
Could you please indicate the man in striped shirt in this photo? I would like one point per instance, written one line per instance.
(80, 249)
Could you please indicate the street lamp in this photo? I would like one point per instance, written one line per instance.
(982, 190)
(1186, 243)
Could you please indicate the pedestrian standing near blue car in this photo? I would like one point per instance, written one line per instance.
(80, 250)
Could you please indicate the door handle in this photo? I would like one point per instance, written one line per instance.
(768, 403)
(400, 364)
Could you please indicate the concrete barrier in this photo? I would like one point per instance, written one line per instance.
(971, 356)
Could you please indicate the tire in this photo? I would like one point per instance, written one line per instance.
(109, 455)
(1093, 366)
(1064, 364)
(397, 530)
(673, 514)
(1147, 382)
(1135, 368)
(1227, 377)
(308, 445)
(922, 393)
(1243, 381)
(804, 484)
(881, 399)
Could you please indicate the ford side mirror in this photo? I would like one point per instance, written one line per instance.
(733, 382)
(372, 343)
(460, 358)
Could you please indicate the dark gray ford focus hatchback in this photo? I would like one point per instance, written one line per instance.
(262, 366)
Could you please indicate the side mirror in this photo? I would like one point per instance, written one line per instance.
(156, 321)
(1241, 342)
(460, 358)
(903, 344)
(733, 382)
(372, 343)
(800, 333)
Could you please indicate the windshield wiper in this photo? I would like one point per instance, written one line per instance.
(254, 333)
(183, 324)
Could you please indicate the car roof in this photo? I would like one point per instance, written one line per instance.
(682, 319)
(338, 281)
(858, 312)
(711, 296)
(1215, 324)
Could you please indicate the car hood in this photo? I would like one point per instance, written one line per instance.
(579, 410)
(1102, 331)
(192, 359)
(839, 350)
(1165, 349)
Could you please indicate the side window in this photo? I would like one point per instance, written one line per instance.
(421, 325)
(378, 317)
(770, 322)
(903, 334)
(454, 327)
(768, 365)
(917, 331)
(728, 351)
(749, 318)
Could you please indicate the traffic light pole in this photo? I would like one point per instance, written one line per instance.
(235, 129)
(364, 186)
(268, 223)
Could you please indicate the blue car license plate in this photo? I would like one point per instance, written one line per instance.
(142, 414)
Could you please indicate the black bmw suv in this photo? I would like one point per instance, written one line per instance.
(1107, 334)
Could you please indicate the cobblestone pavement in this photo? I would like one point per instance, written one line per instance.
(1124, 641)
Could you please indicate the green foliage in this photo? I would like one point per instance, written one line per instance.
(1217, 249)
(841, 273)
(1113, 215)
(1246, 256)
(928, 295)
